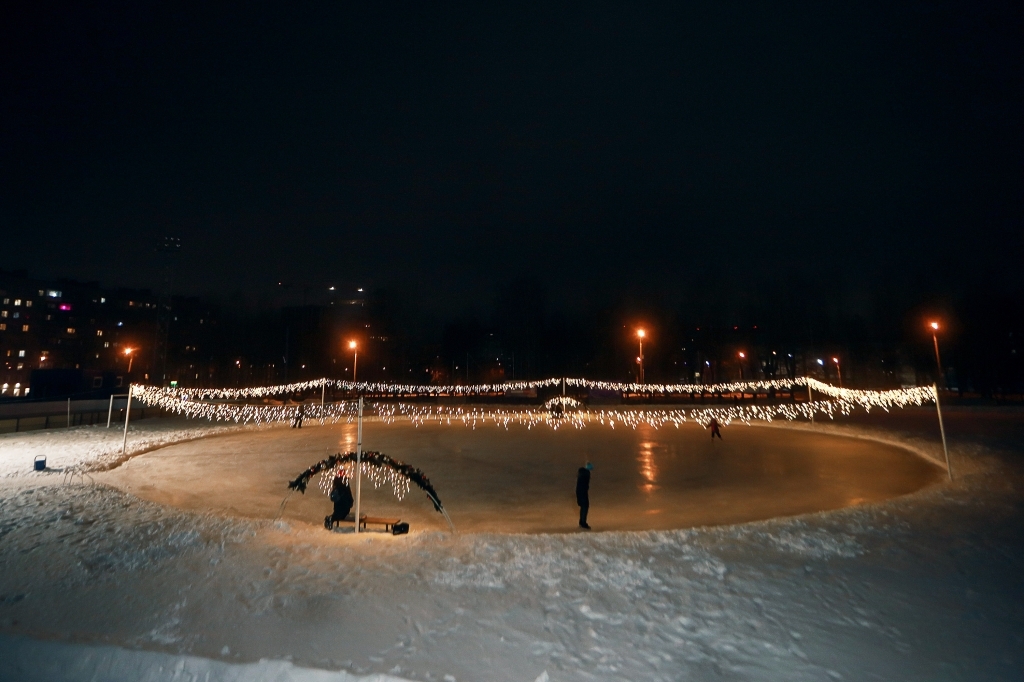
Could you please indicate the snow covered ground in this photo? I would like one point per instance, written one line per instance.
(85, 448)
(97, 584)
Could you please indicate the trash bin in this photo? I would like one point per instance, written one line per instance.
(40, 463)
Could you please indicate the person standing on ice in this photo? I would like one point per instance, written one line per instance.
(583, 492)
(297, 419)
(714, 429)
(341, 496)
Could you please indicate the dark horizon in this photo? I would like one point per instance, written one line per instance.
(721, 156)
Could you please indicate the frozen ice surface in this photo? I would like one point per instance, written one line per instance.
(523, 480)
(94, 581)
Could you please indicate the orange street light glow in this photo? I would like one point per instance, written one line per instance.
(129, 351)
(835, 360)
(743, 355)
(934, 325)
(641, 333)
(352, 345)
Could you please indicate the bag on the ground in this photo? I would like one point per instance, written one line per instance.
(400, 528)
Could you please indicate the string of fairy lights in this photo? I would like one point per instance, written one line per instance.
(558, 412)
(378, 475)
(362, 387)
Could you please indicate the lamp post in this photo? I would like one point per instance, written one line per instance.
(128, 352)
(640, 334)
(839, 371)
(935, 389)
(742, 358)
(935, 340)
(355, 359)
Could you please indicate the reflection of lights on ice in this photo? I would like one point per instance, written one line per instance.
(648, 467)
(193, 403)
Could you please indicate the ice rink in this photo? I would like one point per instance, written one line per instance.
(522, 481)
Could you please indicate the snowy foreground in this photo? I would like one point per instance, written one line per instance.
(96, 584)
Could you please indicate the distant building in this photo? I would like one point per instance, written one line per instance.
(68, 325)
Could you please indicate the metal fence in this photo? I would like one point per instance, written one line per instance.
(63, 414)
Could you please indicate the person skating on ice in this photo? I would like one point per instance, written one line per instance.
(583, 492)
(341, 496)
(714, 429)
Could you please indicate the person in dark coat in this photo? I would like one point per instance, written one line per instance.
(341, 496)
(583, 492)
(297, 419)
(714, 429)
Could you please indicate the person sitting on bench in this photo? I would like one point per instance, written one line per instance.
(341, 496)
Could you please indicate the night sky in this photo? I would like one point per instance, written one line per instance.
(666, 150)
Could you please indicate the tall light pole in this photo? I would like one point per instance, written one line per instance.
(128, 352)
(355, 359)
(935, 388)
(839, 371)
(742, 358)
(640, 334)
(935, 340)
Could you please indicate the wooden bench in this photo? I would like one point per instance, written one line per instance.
(388, 524)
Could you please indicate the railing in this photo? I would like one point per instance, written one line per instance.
(17, 417)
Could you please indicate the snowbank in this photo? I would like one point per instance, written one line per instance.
(29, 660)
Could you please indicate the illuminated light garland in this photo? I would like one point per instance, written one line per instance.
(684, 389)
(840, 401)
(380, 468)
(373, 388)
(241, 414)
(562, 402)
(473, 417)
(380, 388)
(914, 395)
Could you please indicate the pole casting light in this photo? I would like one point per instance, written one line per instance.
(355, 358)
(640, 334)
(935, 387)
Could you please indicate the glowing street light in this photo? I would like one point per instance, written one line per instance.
(640, 334)
(938, 409)
(935, 340)
(839, 371)
(128, 352)
(743, 356)
(355, 359)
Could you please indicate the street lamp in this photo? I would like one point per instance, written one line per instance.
(128, 352)
(355, 359)
(938, 409)
(838, 371)
(742, 358)
(640, 334)
(935, 340)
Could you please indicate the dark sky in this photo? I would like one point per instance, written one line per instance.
(661, 148)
